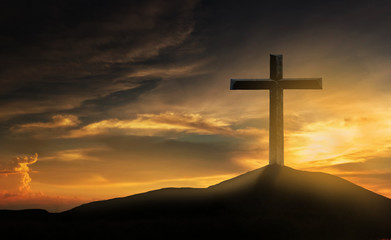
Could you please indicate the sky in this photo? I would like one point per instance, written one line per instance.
(104, 99)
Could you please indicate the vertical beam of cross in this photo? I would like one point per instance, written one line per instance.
(276, 84)
(276, 123)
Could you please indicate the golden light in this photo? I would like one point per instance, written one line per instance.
(320, 141)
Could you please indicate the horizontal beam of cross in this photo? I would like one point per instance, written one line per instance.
(286, 83)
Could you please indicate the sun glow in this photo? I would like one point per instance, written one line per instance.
(321, 141)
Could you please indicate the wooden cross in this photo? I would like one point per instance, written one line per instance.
(276, 84)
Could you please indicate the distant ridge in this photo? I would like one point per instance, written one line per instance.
(273, 202)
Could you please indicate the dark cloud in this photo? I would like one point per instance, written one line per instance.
(70, 51)
(87, 29)
(115, 99)
(63, 54)
(76, 57)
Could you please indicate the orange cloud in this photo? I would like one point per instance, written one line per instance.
(20, 165)
(58, 121)
(24, 198)
(173, 71)
(156, 124)
(73, 155)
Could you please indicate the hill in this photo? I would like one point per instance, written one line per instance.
(272, 202)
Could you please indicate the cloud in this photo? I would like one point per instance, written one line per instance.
(50, 61)
(58, 121)
(170, 71)
(119, 31)
(20, 165)
(77, 154)
(163, 124)
(115, 99)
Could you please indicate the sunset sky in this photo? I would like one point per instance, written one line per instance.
(104, 99)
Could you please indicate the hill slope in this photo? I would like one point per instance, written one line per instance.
(272, 202)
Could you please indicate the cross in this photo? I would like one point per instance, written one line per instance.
(276, 84)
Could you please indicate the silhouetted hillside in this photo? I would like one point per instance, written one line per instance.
(272, 202)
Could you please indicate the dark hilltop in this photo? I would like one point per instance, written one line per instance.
(273, 202)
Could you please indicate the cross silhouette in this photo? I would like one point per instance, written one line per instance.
(276, 84)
